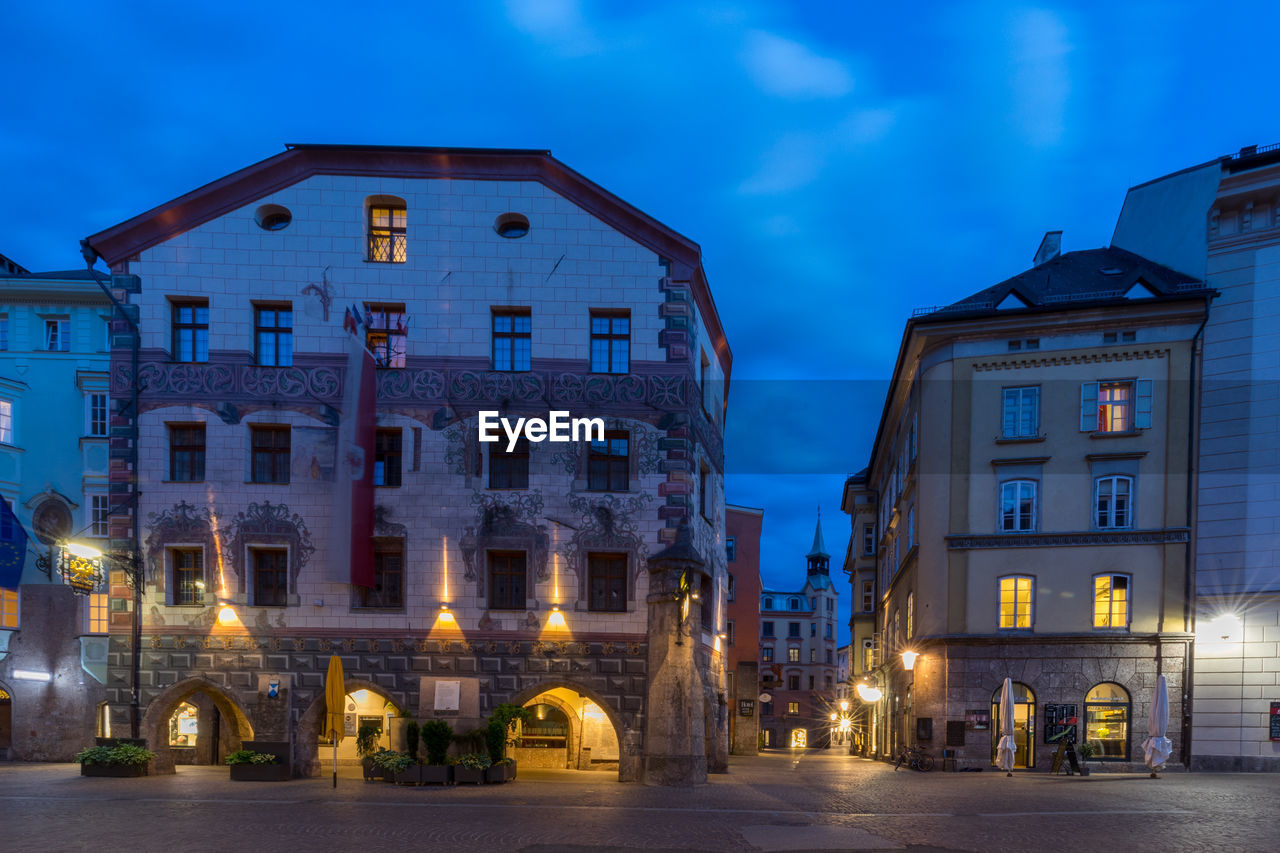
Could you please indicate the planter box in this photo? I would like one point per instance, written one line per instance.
(498, 773)
(118, 771)
(436, 774)
(468, 775)
(412, 776)
(259, 773)
(371, 773)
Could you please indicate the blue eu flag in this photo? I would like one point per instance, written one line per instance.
(13, 547)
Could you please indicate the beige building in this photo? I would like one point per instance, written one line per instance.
(1029, 494)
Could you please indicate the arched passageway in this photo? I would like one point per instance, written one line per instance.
(366, 703)
(219, 728)
(570, 729)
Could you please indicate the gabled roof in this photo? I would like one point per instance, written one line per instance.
(1067, 281)
(301, 161)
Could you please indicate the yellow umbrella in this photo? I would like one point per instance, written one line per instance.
(335, 698)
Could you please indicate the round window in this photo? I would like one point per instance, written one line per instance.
(511, 225)
(51, 521)
(272, 217)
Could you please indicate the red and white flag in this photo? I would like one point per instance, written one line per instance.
(352, 553)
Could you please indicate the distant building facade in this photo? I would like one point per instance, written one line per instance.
(477, 280)
(54, 429)
(860, 564)
(743, 526)
(1029, 483)
(1220, 222)
(798, 656)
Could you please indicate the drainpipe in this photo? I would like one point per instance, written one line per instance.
(134, 570)
(1188, 609)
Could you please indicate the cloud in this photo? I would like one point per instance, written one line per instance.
(790, 69)
(1041, 77)
(557, 23)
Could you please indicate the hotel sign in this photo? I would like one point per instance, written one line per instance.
(746, 707)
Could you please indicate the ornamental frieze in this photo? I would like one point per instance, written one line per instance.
(1051, 540)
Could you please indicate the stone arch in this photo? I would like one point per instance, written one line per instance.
(571, 716)
(625, 729)
(156, 719)
(306, 740)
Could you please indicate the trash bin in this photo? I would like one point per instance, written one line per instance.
(949, 760)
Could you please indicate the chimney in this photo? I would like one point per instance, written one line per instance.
(1050, 248)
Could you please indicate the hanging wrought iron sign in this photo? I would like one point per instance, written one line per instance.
(81, 568)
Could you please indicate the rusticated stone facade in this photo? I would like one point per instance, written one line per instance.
(583, 254)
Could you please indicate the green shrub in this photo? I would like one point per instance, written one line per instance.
(473, 761)
(502, 724)
(120, 753)
(411, 737)
(367, 740)
(496, 741)
(389, 759)
(436, 737)
(248, 756)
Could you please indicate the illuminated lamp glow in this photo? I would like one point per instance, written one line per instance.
(226, 616)
(909, 660)
(556, 619)
(446, 615)
(870, 694)
(844, 704)
(1225, 627)
(833, 716)
(84, 552)
(32, 675)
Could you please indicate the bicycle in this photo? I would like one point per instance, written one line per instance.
(915, 758)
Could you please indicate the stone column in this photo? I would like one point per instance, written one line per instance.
(674, 729)
(746, 733)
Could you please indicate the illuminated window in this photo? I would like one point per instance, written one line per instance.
(387, 592)
(1121, 406)
(1020, 413)
(911, 615)
(188, 575)
(1114, 407)
(509, 470)
(1111, 601)
(6, 422)
(610, 342)
(273, 334)
(385, 334)
(512, 339)
(270, 577)
(793, 655)
(191, 331)
(507, 580)
(184, 726)
(1111, 502)
(270, 454)
(1106, 713)
(1017, 506)
(9, 608)
(794, 708)
(97, 412)
(766, 653)
(607, 582)
(57, 335)
(387, 457)
(1015, 602)
(96, 607)
(186, 453)
(387, 233)
(609, 463)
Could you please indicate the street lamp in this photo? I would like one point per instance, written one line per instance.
(909, 660)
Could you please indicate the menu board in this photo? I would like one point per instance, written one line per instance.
(1060, 720)
(448, 694)
(1275, 721)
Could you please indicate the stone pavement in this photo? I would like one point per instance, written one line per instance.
(776, 802)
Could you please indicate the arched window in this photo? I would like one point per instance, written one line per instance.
(1017, 506)
(1106, 714)
(1024, 724)
(1016, 595)
(1113, 502)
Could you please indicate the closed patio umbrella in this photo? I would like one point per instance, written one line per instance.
(1157, 747)
(335, 697)
(1006, 747)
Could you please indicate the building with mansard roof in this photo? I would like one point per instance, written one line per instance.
(294, 503)
(1026, 513)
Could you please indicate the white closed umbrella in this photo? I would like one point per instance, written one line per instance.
(1006, 748)
(1157, 747)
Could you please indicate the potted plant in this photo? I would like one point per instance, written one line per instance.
(366, 746)
(249, 766)
(1086, 751)
(397, 767)
(469, 769)
(436, 737)
(411, 739)
(498, 734)
(121, 759)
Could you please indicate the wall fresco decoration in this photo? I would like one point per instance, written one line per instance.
(267, 524)
(182, 523)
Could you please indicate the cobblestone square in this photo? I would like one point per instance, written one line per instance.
(774, 802)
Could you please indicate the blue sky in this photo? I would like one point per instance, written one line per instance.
(839, 163)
